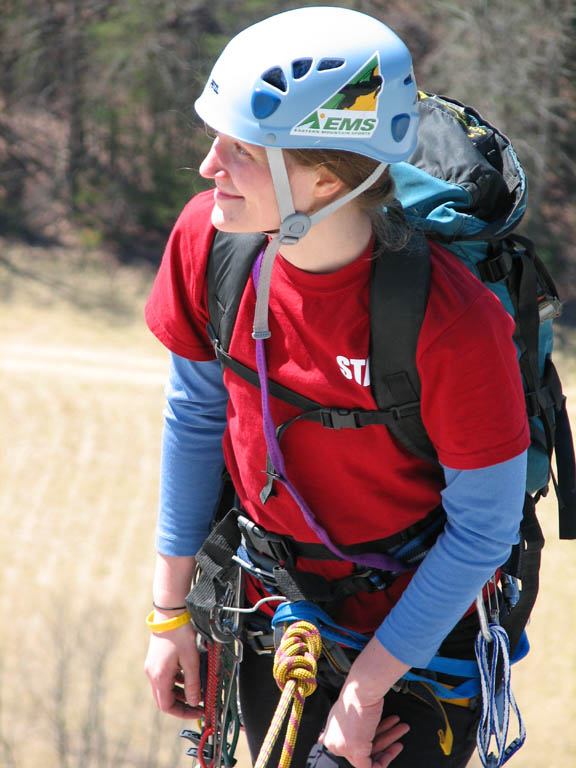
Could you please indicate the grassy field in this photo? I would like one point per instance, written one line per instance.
(81, 398)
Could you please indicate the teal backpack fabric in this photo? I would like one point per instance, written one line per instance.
(465, 187)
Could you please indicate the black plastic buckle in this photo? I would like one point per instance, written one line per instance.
(380, 579)
(339, 418)
(495, 268)
(270, 544)
(373, 579)
(262, 643)
(195, 737)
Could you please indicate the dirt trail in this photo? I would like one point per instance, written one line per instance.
(78, 362)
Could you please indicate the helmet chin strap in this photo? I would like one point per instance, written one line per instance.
(293, 227)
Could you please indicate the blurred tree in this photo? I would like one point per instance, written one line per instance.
(514, 61)
(96, 99)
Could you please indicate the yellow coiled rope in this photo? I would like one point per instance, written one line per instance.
(295, 665)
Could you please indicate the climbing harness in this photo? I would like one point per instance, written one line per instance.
(295, 667)
(237, 544)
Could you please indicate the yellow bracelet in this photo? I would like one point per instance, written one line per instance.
(169, 624)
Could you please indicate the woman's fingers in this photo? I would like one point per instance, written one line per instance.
(386, 738)
(383, 759)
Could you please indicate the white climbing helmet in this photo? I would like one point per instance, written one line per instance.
(313, 78)
(320, 77)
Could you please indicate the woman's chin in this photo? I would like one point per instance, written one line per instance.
(227, 223)
(222, 222)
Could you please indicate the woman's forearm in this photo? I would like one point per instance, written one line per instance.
(172, 581)
(192, 457)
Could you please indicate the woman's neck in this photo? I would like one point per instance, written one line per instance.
(334, 242)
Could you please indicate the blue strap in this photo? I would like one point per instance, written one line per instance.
(466, 690)
(304, 610)
(461, 668)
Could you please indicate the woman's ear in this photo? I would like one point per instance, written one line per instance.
(327, 184)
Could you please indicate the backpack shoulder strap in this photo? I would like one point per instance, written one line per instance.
(399, 296)
(229, 264)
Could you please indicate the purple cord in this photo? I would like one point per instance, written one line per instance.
(372, 560)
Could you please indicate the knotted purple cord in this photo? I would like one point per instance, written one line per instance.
(371, 560)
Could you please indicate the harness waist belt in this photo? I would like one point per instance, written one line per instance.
(409, 544)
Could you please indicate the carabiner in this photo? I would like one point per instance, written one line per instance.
(483, 618)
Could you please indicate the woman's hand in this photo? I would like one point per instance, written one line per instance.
(354, 728)
(173, 660)
(173, 668)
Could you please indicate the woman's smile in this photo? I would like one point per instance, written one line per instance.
(221, 196)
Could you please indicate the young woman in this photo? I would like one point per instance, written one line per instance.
(308, 109)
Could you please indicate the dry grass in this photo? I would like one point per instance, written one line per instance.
(81, 395)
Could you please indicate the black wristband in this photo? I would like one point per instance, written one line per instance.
(164, 608)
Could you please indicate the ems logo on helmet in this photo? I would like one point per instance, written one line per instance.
(352, 110)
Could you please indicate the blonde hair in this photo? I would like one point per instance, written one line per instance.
(379, 201)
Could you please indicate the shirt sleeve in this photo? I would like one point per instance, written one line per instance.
(176, 310)
(483, 509)
(192, 458)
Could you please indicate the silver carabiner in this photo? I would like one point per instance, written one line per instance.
(483, 618)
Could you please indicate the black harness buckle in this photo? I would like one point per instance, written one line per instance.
(266, 543)
(339, 418)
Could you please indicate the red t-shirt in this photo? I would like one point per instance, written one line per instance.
(360, 484)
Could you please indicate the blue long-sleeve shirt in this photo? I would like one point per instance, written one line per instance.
(483, 512)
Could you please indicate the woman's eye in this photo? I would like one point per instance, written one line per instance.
(240, 149)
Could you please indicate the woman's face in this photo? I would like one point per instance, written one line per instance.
(244, 198)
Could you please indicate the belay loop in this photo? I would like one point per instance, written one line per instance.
(295, 667)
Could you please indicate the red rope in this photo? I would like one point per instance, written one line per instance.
(210, 713)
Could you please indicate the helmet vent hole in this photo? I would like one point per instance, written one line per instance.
(325, 64)
(400, 125)
(275, 77)
(301, 67)
(408, 80)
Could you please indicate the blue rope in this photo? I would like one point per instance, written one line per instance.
(496, 703)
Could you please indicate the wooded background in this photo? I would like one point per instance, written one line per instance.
(98, 130)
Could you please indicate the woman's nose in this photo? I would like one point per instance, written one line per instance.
(212, 165)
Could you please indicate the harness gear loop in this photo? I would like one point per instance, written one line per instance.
(295, 667)
(446, 735)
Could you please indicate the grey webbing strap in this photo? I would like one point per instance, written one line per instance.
(335, 204)
(260, 328)
(293, 227)
(281, 182)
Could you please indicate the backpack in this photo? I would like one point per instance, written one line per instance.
(464, 187)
